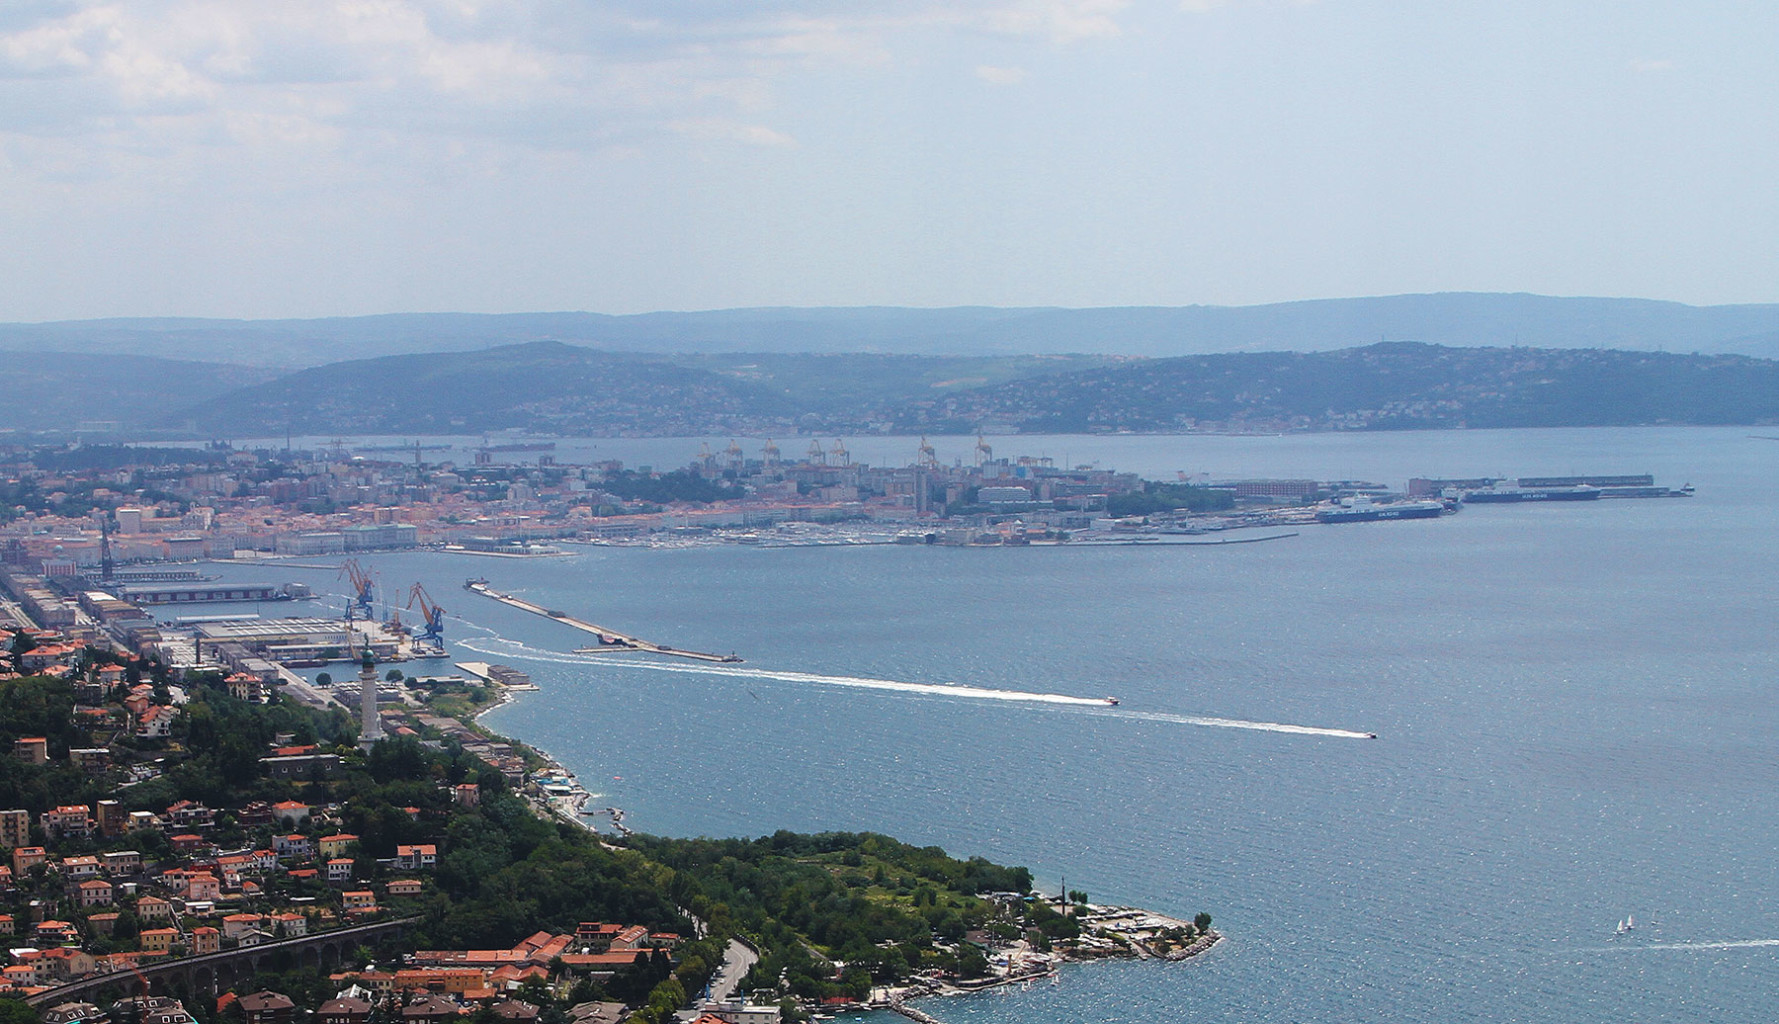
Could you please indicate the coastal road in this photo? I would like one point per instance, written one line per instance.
(738, 959)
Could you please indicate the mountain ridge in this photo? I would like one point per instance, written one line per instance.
(556, 388)
(1451, 318)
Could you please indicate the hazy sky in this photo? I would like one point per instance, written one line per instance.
(316, 157)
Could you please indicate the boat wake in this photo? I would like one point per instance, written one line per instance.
(1241, 723)
(1093, 705)
(1727, 944)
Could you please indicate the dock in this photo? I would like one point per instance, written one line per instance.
(184, 592)
(609, 639)
(919, 1017)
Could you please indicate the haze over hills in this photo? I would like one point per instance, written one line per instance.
(1391, 385)
(552, 388)
(1456, 318)
(58, 390)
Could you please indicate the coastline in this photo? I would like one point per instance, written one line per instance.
(1111, 932)
(578, 798)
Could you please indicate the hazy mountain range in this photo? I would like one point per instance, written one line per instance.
(551, 388)
(1312, 326)
(1475, 360)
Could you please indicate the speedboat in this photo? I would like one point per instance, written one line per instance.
(1112, 701)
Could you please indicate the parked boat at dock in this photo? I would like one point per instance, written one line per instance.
(1505, 495)
(1364, 510)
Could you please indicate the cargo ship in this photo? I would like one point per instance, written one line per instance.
(1363, 510)
(1503, 495)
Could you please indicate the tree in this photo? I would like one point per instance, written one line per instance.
(971, 963)
(1078, 896)
(17, 1011)
(21, 642)
(324, 679)
(1202, 920)
(394, 675)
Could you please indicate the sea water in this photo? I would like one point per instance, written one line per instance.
(1575, 705)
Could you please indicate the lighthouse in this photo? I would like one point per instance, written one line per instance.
(370, 728)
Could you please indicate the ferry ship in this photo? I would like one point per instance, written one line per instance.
(1364, 510)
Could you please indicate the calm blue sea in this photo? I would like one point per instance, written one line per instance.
(1575, 703)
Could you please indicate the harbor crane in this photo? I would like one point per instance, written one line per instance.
(431, 614)
(818, 456)
(770, 453)
(363, 585)
(839, 452)
(929, 456)
(736, 458)
(984, 451)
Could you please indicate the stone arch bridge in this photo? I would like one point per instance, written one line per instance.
(213, 973)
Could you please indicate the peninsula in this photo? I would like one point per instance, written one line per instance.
(181, 842)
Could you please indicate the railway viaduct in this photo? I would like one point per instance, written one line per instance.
(213, 973)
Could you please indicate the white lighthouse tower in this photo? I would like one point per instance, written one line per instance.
(370, 723)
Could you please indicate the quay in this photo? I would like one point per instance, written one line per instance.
(609, 639)
(897, 1006)
(127, 576)
(201, 593)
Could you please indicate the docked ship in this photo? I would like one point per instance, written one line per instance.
(1503, 495)
(1364, 510)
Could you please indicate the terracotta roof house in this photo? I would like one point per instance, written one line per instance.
(267, 1008)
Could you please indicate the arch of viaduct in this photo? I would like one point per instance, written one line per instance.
(213, 973)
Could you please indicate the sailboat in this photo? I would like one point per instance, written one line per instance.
(1629, 924)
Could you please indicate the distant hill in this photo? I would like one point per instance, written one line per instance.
(60, 390)
(1385, 386)
(1457, 318)
(550, 387)
(544, 385)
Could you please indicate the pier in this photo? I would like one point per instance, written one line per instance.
(897, 1006)
(609, 639)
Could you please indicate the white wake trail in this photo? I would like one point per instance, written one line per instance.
(1238, 723)
(1096, 705)
(1726, 944)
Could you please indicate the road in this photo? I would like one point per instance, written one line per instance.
(738, 959)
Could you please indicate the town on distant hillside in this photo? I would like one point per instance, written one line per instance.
(71, 510)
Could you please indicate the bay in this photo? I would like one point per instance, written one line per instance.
(1575, 709)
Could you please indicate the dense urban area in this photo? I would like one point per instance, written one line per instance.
(196, 832)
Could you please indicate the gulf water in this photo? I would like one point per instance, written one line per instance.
(1575, 706)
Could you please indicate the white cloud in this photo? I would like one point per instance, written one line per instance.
(501, 72)
(732, 131)
(1064, 21)
(1207, 6)
(1000, 76)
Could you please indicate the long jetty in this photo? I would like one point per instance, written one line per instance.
(919, 1017)
(609, 639)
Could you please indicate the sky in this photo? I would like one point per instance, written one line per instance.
(338, 157)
